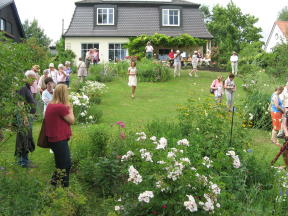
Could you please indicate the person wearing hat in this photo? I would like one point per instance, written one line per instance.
(194, 63)
(177, 63)
(61, 75)
(53, 72)
(41, 83)
(34, 87)
(234, 63)
(149, 50)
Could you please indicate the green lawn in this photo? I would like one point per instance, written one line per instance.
(153, 101)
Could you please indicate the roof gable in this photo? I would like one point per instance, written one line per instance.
(283, 26)
(5, 3)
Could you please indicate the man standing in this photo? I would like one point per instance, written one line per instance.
(149, 50)
(24, 138)
(234, 63)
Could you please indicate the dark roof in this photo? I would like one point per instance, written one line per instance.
(134, 20)
(5, 3)
(167, 2)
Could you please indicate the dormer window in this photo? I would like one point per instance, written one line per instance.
(105, 16)
(171, 17)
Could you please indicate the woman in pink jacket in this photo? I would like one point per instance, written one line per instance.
(217, 87)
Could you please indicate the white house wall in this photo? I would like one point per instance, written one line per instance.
(74, 44)
(276, 38)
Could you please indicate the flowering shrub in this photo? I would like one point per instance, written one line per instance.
(94, 90)
(81, 106)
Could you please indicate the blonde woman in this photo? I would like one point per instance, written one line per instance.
(58, 118)
(132, 71)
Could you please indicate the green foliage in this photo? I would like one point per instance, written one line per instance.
(232, 30)
(62, 54)
(251, 58)
(136, 45)
(101, 72)
(152, 71)
(33, 30)
(27, 54)
(277, 61)
(26, 195)
(283, 14)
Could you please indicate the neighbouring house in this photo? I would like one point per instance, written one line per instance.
(278, 35)
(107, 25)
(10, 23)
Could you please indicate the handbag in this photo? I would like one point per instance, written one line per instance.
(43, 139)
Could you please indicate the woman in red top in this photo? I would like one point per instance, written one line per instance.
(171, 57)
(58, 118)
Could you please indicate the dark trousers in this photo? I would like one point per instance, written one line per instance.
(67, 82)
(62, 162)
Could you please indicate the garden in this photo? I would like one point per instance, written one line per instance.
(169, 151)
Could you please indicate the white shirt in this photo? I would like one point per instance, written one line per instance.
(53, 74)
(234, 58)
(46, 98)
(149, 48)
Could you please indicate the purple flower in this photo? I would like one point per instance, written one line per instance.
(249, 150)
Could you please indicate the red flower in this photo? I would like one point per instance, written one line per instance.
(121, 124)
(164, 206)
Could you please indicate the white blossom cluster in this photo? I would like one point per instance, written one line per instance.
(183, 142)
(207, 162)
(187, 160)
(94, 88)
(141, 136)
(174, 172)
(159, 185)
(147, 156)
(134, 175)
(191, 204)
(145, 196)
(214, 188)
(209, 204)
(162, 143)
(236, 160)
(161, 162)
(127, 156)
(81, 101)
(119, 208)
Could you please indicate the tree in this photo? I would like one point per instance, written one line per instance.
(283, 14)
(232, 30)
(62, 54)
(33, 30)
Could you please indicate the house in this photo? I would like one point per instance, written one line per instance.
(278, 35)
(108, 24)
(10, 23)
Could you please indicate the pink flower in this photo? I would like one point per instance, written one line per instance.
(164, 206)
(121, 124)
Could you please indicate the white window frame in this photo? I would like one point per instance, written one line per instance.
(119, 49)
(169, 24)
(107, 16)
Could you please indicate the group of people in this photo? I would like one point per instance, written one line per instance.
(218, 88)
(92, 57)
(279, 114)
(58, 116)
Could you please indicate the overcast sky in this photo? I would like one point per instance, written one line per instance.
(50, 13)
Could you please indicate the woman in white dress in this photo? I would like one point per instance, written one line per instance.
(132, 71)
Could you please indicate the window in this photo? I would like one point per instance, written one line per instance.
(105, 16)
(117, 52)
(8, 27)
(2, 24)
(170, 17)
(86, 46)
